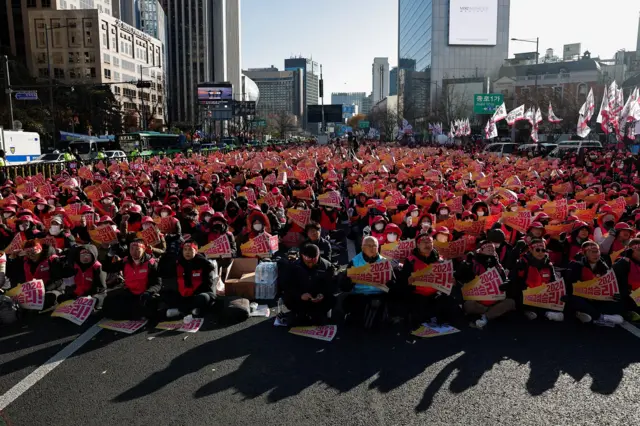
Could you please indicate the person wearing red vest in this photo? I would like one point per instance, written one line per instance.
(106, 207)
(40, 263)
(196, 278)
(579, 235)
(62, 238)
(617, 240)
(327, 217)
(476, 264)
(377, 229)
(137, 297)
(588, 266)
(627, 270)
(425, 303)
(88, 277)
(533, 270)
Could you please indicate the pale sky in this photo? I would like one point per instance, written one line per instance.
(345, 35)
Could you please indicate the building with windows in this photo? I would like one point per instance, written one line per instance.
(424, 47)
(279, 92)
(367, 104)
(393, 81)
(311, 78)
(349, 98)
(87, 46)
(380, 79)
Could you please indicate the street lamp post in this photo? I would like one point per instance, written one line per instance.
(537, 42)
(143, 117)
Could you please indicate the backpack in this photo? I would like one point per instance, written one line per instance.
(8, 310)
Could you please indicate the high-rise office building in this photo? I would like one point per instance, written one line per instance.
(203, 40)
(380, 77)
(638, 42)
(349, 98)
(311, 78)
(367, 104)
(280, 92)
(440, 39)
(393, 81)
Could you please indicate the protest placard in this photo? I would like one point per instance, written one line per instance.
(124, 326)
(485, 288)
(599, 288)
(104, 235)
(319, 332)
(399, 250)
(437, 275)
(29, 295)
(186, 327)
(299, 217)
(451, 250)
(264, 245)
(374, 274)
(218, 248)
(519, 220)
(77, 311)
(546, 296)
(330, 199)
(433, 330)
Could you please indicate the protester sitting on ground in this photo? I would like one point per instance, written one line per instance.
(137, 297)
(627, 271)
(588, 266)
(313, 233)
(88, 277)
(310, 287)
(159, 248)
(196, 278)
(60, 238)
(617, 240)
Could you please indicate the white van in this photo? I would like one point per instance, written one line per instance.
(564, 148)
(502, 148)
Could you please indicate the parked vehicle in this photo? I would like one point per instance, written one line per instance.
(502, 148)
(20, 147)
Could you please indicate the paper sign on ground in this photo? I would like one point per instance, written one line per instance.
(126, 326)
(546, 296)
(29, 295)
(432, 330)
(373, 274)
(485, 287)
(220, 247)
(635, 295)
(188, 327)
(319, 332)
(436, 275)
(600, 288)
(77, 311)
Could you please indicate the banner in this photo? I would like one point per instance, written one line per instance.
(299, 217)
(186, 327)
(433, 330)
(263, 245)
(519, 221)
(546, 296)
(16, 244)
(150, 236)
(304, 194)
(455, 204)
(330, 199)
(220, 247)
(600, 288)
(398, 251)
(485, 288)
(474, 228)
(319, 332)
(29, 295)
(563, 188)
(104, 235)
(451, 250)
(125, 326)
(437, 275)
(374, 274)
(77, 311)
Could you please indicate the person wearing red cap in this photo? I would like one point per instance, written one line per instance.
(105, 206)
(425, 303)
(579, 235)
(158, 249)
(196, 278)
(533, 270)
(605, 222)
(218, 227)
(131, 221)
(617, 240)
(327, 217)
(586, 267)
(257, 224)
(137, 297)
(476, 264)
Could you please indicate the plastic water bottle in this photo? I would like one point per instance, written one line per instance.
(280, 306)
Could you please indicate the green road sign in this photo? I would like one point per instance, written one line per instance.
(487, 103)
(363, 124)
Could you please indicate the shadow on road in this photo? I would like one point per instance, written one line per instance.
(282, 365)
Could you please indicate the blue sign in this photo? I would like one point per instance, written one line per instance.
(348, 109)
(27, 96)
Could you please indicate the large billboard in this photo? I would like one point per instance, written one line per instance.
(332, 113)
(473, 22)
(214, 93)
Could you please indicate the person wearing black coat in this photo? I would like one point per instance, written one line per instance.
(310, 287)
(313, 236)
(588, 266)
(196, 278)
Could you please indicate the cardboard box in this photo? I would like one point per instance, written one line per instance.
(241, 278)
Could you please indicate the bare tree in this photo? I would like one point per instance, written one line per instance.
(385, 120)
(281, 123)
(453, 104)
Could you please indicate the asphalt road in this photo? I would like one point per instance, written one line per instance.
(252, 373)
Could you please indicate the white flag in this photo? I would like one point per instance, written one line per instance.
(626, 110)
(529, 115)
(586, 110)
(603, 114)
(500, 114)
(490, 130)
(538, 116)
(635, 106)
(552, 117)
(534, 133)
(514, 115)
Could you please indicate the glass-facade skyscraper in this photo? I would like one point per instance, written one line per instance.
(414, 34)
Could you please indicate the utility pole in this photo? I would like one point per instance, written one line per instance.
(9, 91)
(46, 40)
(323, 128)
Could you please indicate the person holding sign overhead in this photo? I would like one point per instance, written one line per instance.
(533, 270)
(425, 302)
(196, 277)
(590, 265)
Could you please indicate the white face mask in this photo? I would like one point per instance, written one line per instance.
(408, 221)
(480, 213)
(147, 226)
(378, 227)
(41, 207)
(513, 209)
(442, 238)
(114, 227)
(392, 238)
(541, 192)
(54, 230)
(329, 209)
(207, 218)
(7, 215)
(425, 225)
(257, 227)
(444, 212)
(52, 202)
(107, 201)
(164, 214)
(24, 227)
(415, 213)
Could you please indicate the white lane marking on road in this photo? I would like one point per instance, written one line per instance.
(13, 336)
(631, 328)
(351, 249)
(33, 378)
